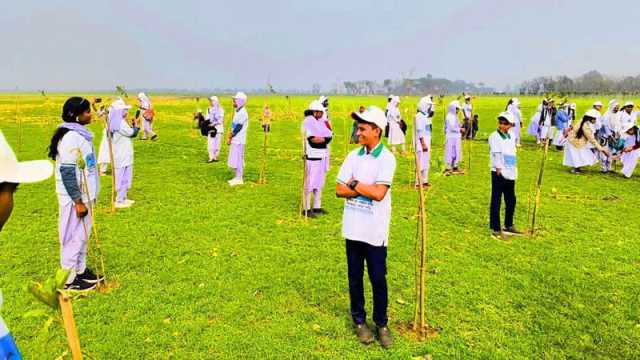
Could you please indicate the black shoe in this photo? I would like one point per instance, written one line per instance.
(308, 213)
(210, 161)
(320, 211)
(385, 337)
(79, 285)
(154, 137)
(497, 235)
(90, 277)
(364, 334)
(511, 230)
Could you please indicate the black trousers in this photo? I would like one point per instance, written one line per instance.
(499, 187)
(376, 257)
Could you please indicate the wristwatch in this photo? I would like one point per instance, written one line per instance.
(352, 185)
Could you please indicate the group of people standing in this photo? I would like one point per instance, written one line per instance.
(595, 138)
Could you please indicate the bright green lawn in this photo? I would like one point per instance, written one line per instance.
(209, 271)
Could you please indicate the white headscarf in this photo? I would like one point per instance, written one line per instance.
(145, 103)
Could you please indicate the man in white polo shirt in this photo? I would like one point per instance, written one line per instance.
(365, 181)
(504, 171)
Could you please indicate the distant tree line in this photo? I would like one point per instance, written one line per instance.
(408, 86)
(591, 82)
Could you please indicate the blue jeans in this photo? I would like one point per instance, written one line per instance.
(376, 257)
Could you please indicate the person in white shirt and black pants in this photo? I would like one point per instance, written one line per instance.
(364, 181)
(504, 171)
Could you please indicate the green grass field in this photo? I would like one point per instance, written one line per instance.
(205, 271)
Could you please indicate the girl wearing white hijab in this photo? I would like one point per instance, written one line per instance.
(215, 115)
(122, 135)
(576, 152)
(631, 152)
(396, 135)
(453, 138)
(513, 107)
(147, 113)
(422, 138)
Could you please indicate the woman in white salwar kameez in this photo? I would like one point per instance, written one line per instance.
(631, 152)
(396, 135)
(576, 152)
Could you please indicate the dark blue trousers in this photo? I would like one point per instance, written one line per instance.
(376, 257)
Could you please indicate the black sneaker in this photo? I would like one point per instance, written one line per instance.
(364, 334)
(90, 277)
(511, 230)
(154, 137)
(497, 235)
(308, 213)
(385, 337)
(79, 285)
(320, 211)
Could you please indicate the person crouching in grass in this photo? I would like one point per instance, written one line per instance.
(504, 171)
(364, 180)
(13, 173)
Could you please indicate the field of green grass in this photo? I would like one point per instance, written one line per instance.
(201, 270)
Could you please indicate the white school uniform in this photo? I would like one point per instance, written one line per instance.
(629, 159)
(396, 136)
(72, 147)
(502, 151)
(364, 219)
(241, 117)
(122, 145)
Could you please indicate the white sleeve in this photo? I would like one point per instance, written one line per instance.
(125, 129)
(495, 151)
(346, 170)
(385, 174)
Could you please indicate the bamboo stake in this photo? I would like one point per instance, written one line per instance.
(85, 189)
(419, 322)
(536, 204)
(70, 326)
(19, 121)
(113, 168)
(263, 169)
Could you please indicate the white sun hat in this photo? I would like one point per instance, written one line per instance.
(240, 95)
(507, 116)
(373, 115)
(597, 103)
(628, 103)
(593, 113)
(627, 126)
(13, 171)
(316, 105)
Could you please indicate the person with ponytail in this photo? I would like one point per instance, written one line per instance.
(77, 187)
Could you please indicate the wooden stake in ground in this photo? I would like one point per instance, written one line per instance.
(263, 169)
(19, 121)
(111, 161)
(70, 325)
(419, 318)
(85, 190)
(536, 204)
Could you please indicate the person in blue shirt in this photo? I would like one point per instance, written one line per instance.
(562, 123)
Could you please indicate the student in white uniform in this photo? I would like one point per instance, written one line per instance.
(422, 138)
(122, 135)
(364, 181)
(631, 152)
(215, 115)
(238, 138)
(504, 172)
(627, 115)
(77, 186)
(396, 135)
(576, 152)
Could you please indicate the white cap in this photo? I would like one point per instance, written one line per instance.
(597, 103)
(373, 115)
(627, 126)
(21, 172)
(425, 100)
(628, 103)
(316, 105)
(507, 116)
(140, 95)
(593, 113)
(213, 98)
(240, 95)
(119, 104)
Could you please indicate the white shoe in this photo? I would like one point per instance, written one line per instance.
(234, 182)
(123, 205)
(130, 202)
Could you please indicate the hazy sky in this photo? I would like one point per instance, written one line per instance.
(63, 44)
